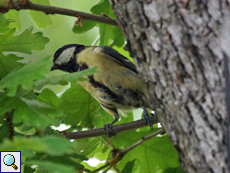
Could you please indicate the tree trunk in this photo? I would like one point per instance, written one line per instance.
(180, 48)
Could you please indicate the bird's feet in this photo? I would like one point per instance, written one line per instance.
(147, 118)
(109, 130)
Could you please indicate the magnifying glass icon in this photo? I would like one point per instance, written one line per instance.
(9, 160)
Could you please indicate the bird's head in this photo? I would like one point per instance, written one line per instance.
(65, 58)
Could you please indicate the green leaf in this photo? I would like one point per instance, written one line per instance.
(174, 170)
(64, 78)
(124, 52)
(156, 154)
(27, 169)
(79, 106)
(101, 5)
(25, 42)
(41, 19)
(87, 146)
(128, 167)
(49, 97)
(109, 35)
(35, 114)
(8, 63)
(51, 145)
(7, 103)
(15, 17)
(51, 167)
(4, 24)
(117, 37)
(25, 76)
(87, 25)
(71, 159)
(100, 117)
(57, 146)
(30, 113)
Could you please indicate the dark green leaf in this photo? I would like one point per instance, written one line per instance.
(128, 167)
(30, 113)
(25, 76)
(87, 146)
(79, 106)
(4, 131)
(28, 169)
(35, 114)
(7, 103)
(8, 63)
(174, 170)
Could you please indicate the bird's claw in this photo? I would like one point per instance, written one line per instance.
(147, 119)
(109, 130)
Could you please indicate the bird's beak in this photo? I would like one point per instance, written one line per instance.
(55, 67)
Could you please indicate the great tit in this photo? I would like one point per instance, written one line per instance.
(116, 85)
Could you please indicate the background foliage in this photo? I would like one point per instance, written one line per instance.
(38, 100)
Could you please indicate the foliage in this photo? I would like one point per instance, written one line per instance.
(37, 100)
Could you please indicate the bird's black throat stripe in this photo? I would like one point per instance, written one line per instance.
(70, 67)
(83, 66)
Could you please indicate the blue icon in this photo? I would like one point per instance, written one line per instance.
(9, 160)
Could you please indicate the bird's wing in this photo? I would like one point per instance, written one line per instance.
(119, 58)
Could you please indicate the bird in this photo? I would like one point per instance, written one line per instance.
(116, 85)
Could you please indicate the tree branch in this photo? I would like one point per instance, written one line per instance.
(101, 131)
(27, 5)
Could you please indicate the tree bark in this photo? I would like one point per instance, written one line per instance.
(180, 48)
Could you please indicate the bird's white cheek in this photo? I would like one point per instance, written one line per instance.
(65, 56)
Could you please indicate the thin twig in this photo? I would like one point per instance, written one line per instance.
(121, 153)
(101, 131)
(9, 125)
(126, 150)
(56, 10)
(102, 167)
